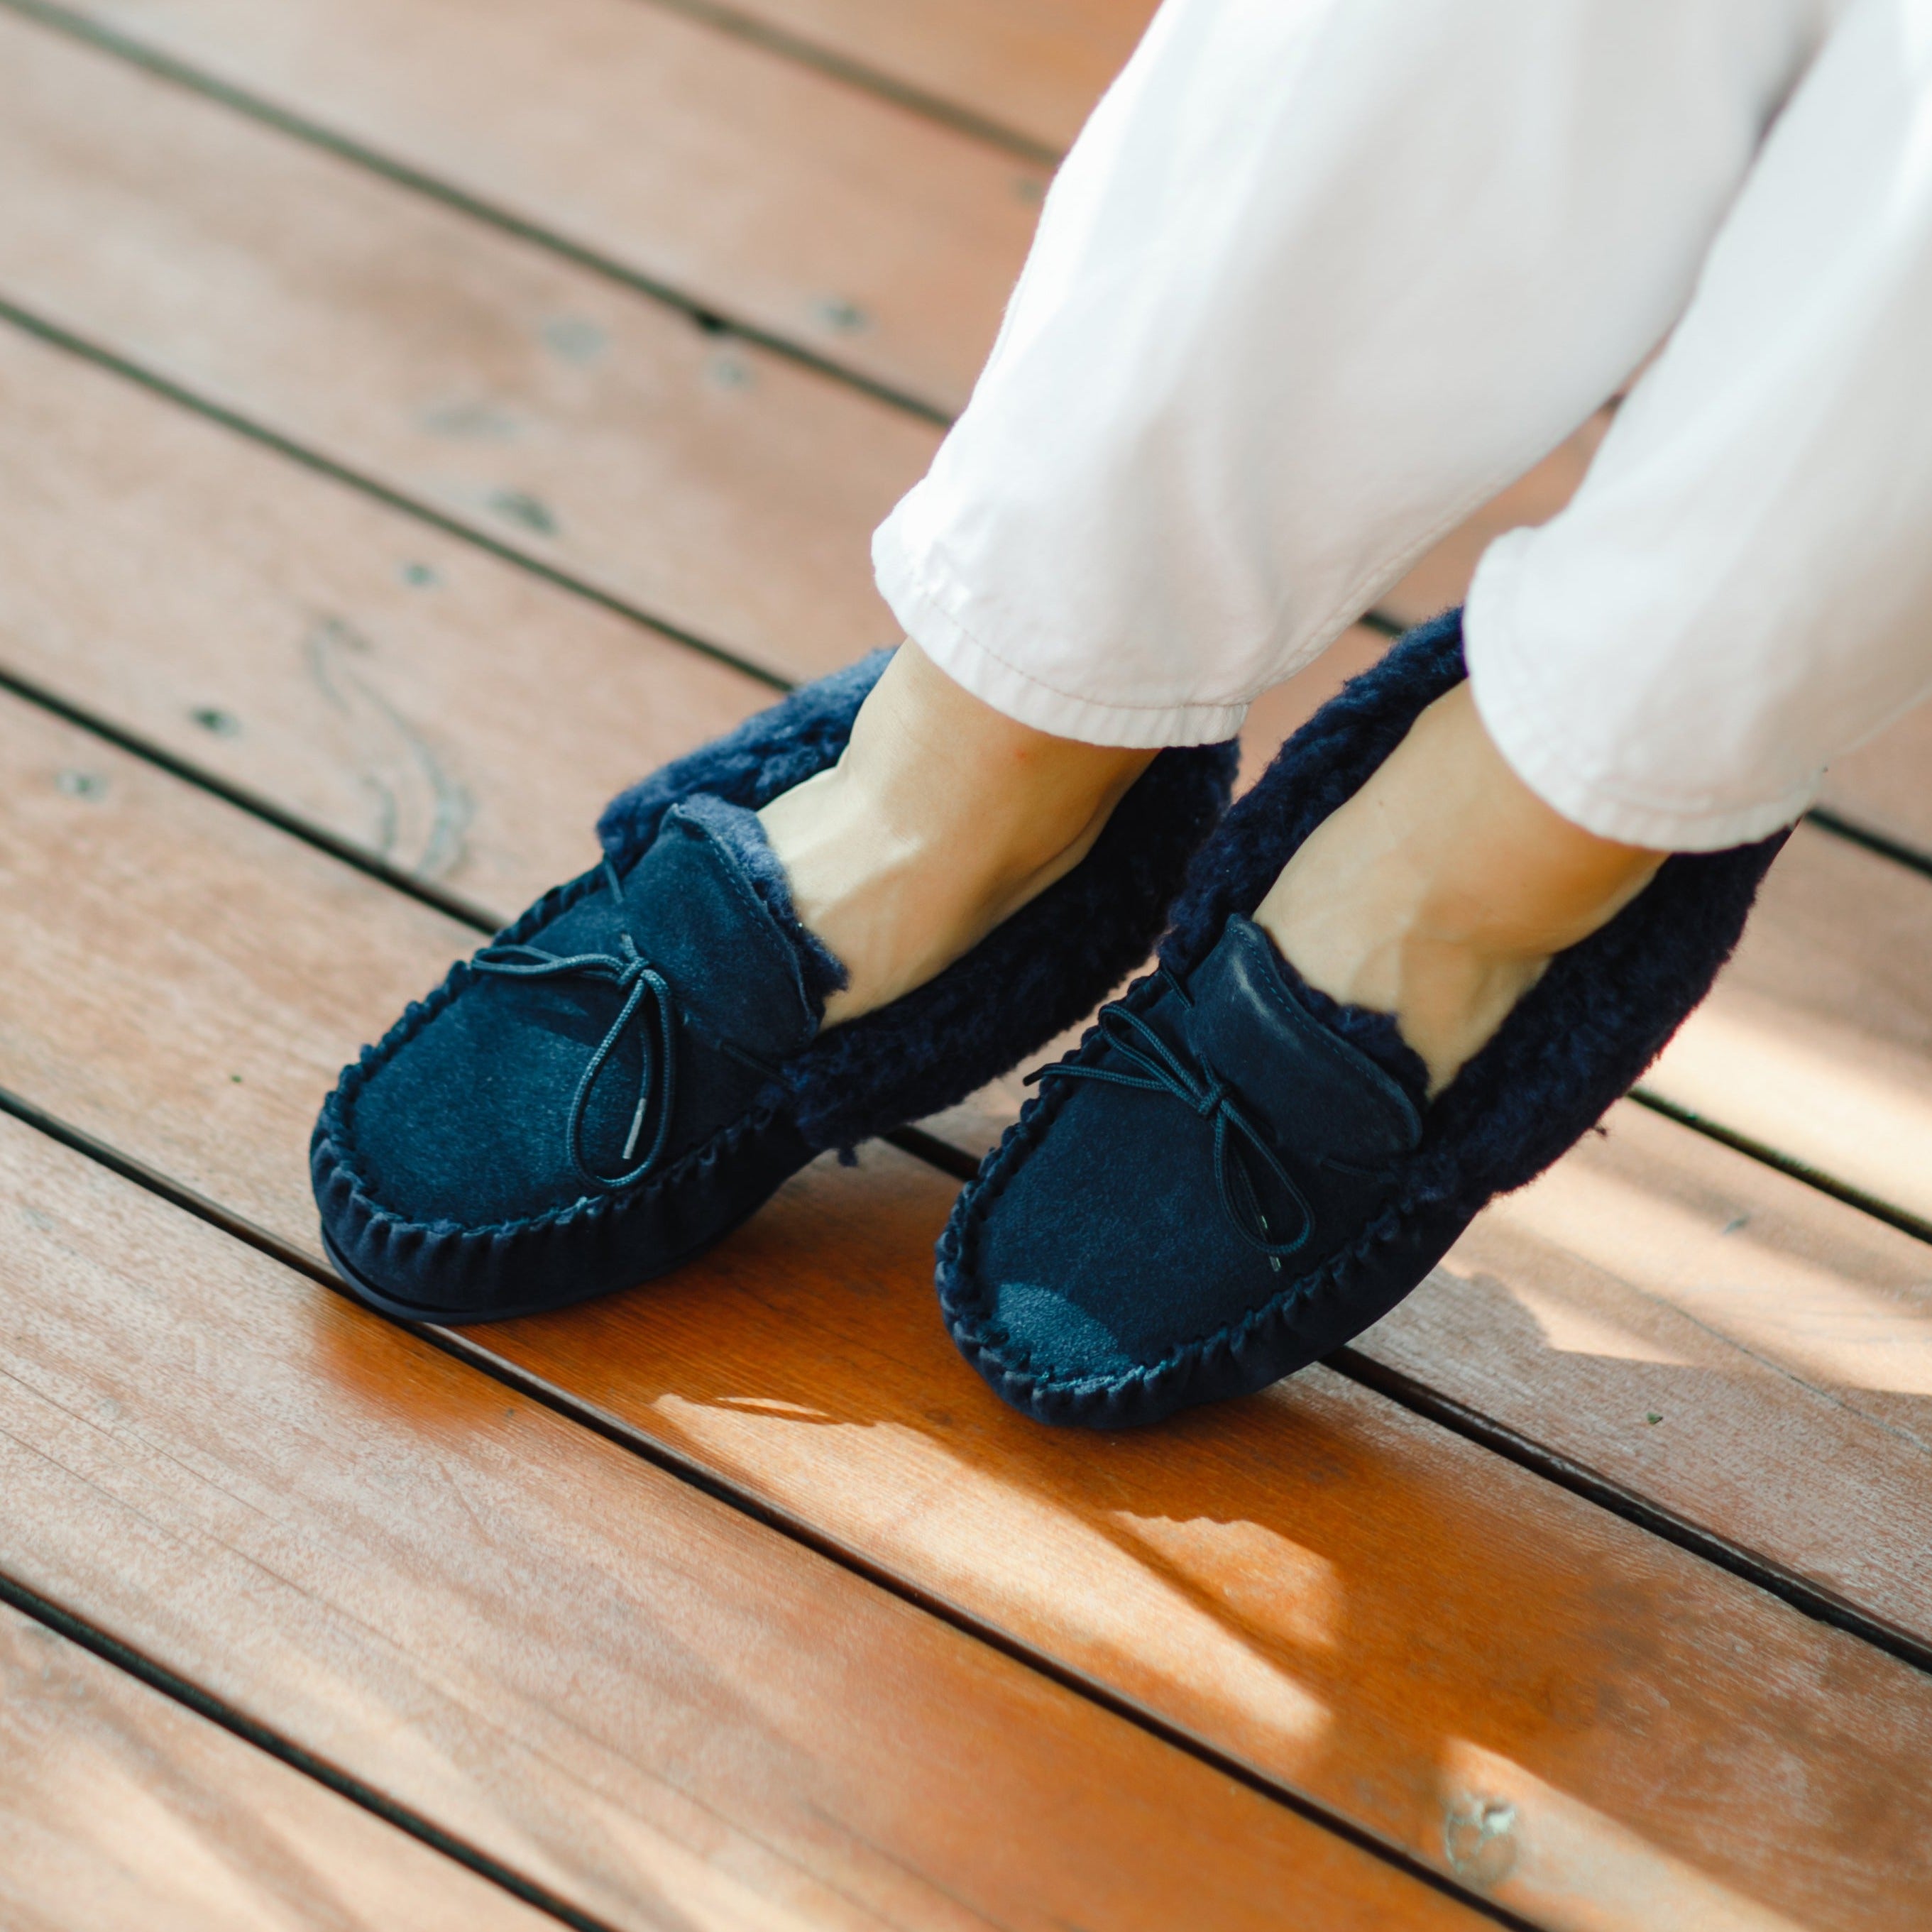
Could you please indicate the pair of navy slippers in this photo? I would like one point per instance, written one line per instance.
(634, 1065)
(1228, 1178)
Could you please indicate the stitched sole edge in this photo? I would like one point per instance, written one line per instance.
(364, 1291)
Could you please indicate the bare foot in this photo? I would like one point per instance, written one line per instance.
(1442, 889)
(943, 818)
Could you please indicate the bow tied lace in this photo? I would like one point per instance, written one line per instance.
(626, 971)
(1239, 1144)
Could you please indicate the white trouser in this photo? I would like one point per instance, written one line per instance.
(1320, 276)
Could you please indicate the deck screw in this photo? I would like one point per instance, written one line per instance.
(1477, 1838)
(81, 784)
(1651, 1415)
(420, 575)
(212, 718)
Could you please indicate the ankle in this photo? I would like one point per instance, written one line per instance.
(942, 819)
(1447, 995)
(1442, 891)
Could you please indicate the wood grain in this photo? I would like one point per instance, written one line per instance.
(159, 568)
(766, 190)
(1035, 66)
(119, 1808)
(385, 683)
(1883, 785)
(622, 1688)
(1377, 1612)
(721, 488)
(1817, 1041)
(392, 686)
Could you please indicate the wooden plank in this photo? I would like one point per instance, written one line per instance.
(618, 1687)
(785, 200)
(157, 567)
(1728, 1344)
(723, 488)
(1882, 786)
(1817, 1040)
(1035, 66)
(119, 1808)
(1315, 1580)
(388, 684)
(1377, 1612)
(392, 686)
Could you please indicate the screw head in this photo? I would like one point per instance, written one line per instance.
(1478, 1838)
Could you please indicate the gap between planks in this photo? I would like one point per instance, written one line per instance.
(196, 774)
(103, 38)
(695, 1475)
(135, 1668)
(141, 808)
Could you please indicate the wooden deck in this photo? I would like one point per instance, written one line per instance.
(418, 418)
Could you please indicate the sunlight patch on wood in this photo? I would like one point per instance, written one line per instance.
(1822, 1326)
(1021, 1559)
(1821, 1096)
(1555, 1858)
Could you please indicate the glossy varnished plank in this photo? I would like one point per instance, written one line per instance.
(722, 488)
(1727, 1343)
(1376, 1612)
(624, 1691)
(753, 185)
(119, 1807)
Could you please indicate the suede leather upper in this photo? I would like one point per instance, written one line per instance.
(634, 1065)
(1076, 1288)
(469, 1122)
(1090, 1272)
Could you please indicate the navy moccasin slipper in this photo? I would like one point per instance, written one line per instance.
(1232, 1175)
(631, 1068)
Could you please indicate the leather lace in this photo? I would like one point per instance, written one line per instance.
(1238, 1140)
(626, 971)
